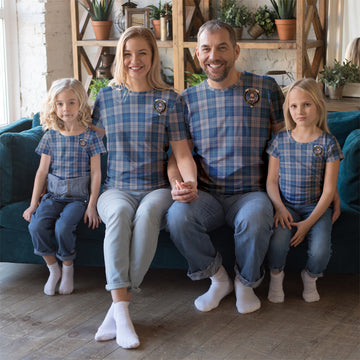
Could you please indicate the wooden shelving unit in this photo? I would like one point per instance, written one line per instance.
(188, 15)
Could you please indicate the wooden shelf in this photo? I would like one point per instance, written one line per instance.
(345, 104)
(113, 43)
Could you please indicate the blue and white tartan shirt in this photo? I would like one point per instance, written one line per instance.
(302, 165)
(230, 132)
(139, 127)
(70, 155)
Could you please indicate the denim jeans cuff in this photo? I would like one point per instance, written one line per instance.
(252, 284)
(209, 271)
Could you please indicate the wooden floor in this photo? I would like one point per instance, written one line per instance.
(36, 326)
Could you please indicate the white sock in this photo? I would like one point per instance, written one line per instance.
(276, 292)
(310, 293)
(221, 285)
(107, 330)
(67, 280)
(246, 300)
(54, 277)
(125, 333)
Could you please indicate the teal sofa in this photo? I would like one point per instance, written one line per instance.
(18, 165)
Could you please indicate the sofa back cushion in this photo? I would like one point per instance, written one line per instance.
(18, 164)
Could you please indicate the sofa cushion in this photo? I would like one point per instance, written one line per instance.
(18, 164)
(11, 216)
(342, 123)
(349, 172)
(36, 120)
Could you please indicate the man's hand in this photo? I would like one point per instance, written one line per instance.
(184, 192)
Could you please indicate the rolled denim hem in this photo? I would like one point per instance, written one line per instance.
(110, 287)
(66, 258)
(36, 252)
(319, 275)
(209, 271)
(245, 282)
(277, 270)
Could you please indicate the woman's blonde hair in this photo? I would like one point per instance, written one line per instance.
(311, 87)
(49, 118)
(153, 77)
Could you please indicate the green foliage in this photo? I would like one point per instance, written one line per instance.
(266, 19)
(234, 15)
(99, 10)
(340, 74)
(194, 79)
(96, 85)
(285, 9)
(157, 11)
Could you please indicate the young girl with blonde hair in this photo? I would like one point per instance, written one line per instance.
(72, 151)
(303, 169)
(141, 118)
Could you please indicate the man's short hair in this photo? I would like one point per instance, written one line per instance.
(216, 25)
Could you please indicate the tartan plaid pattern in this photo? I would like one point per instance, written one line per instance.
(302, 165)
(70, 155)
(138, 137)
(229, 135)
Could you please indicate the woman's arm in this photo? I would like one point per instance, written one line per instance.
(95, 182)
(39, 184)
(282, 215)
(327, 197)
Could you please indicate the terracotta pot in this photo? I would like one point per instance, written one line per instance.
(102, 29)
(255, 31)
(335, 93)
(238, 32)
(286, 28)
(156, 27)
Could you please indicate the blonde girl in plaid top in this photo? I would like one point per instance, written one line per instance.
(72, 151)
(141, 118)
(301, 183)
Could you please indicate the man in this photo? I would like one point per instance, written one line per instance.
(231, 116)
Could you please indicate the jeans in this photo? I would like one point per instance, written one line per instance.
(133, 221)
(57, 216)
(319, 241)
(251, 217)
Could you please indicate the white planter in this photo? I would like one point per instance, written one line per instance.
(352, 90)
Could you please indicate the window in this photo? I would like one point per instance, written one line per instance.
(9, 80)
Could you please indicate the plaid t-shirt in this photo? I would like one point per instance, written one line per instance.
(302, 165)
(70, 155)
(139, 127)
(230, 132)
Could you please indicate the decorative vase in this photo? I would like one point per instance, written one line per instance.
(255, 31)
(286, 28)
(156, 27)
(102, 29)
(238, 32)
(165, 28)
(335, 93)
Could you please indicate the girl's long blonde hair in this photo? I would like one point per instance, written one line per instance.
(153, 77)
(311, 87)
(48, 117)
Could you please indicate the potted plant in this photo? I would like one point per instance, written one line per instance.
(335, 77)
(264, 22)
(99, 11)
(234, 15)
(193, 79)
(96, 85)
(285, 18)
(155, 14)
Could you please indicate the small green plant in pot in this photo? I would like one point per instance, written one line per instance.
(156, 12)
(96, 85)
(264, 22)
(234, 15)
(99, 11)
(285, 18)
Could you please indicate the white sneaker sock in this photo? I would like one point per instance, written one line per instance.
(246, 300)
(54, 277)
(221, 285)
(107, 330)
(125, 333)
(276, 292)
(310, 293)
(67, 280)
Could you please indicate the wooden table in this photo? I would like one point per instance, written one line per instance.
(345, 104)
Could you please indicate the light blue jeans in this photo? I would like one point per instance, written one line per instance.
(133, 221)
(251, 217)
(319, 241)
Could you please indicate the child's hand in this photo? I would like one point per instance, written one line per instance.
(93, 217)
(283, 217)
(28, 212)
(302, 229)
